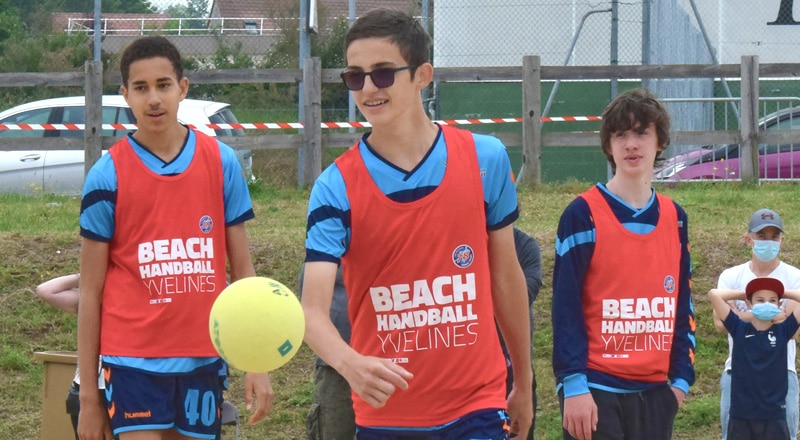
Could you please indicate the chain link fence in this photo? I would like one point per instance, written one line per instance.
(472, 33)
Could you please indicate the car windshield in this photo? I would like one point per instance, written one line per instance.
(226, 116)
(724, 152)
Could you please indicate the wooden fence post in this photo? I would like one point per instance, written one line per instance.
(748, 153)
(93, 113)
(312, 119)
(531, 172)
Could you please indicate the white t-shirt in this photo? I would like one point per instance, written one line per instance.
(101, 383)
(737, 277)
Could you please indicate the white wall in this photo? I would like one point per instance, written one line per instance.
(500, 32)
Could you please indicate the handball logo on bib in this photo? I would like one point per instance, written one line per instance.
(206, 224)
(669, 283)
(463, 256)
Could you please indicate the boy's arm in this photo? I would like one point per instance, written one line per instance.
(726, 282)
(238, 248)
(682, 354)
(529, 255)
(373, 379)
(509, 294)
(744, 316)
(792, 305)
(574, 248)
(241, 266)
(61, 292)
(719, 301)
(93, 419)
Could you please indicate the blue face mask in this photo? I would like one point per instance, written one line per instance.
(766, 250)
(765, 311)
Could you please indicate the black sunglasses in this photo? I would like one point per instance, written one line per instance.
(382, 78)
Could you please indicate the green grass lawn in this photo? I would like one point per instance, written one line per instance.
(39, 240)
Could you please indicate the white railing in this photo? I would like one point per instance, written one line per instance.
(180, 25)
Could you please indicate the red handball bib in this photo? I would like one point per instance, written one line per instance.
(631, 293)
(419, 288)
(167, 256)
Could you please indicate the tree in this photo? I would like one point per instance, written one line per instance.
(10, 24)
(192, 9)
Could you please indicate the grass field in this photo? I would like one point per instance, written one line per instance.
(39, 240)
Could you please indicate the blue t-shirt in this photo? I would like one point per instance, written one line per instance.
(758, 368)
(328, 228)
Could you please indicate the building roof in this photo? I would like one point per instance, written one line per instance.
(273, 8)
(111, 23)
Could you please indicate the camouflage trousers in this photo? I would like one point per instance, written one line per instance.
(331, 415)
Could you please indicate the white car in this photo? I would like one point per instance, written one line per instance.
(62, 171)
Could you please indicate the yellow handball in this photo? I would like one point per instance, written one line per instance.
(257, 324)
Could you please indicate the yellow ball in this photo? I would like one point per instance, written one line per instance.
(257, 324)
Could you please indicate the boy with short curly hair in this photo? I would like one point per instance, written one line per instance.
(162, 214)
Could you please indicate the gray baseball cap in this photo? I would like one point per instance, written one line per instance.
(764, 218)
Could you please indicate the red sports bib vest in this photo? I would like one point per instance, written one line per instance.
(419, 288)
(631, 293)
(167, 258)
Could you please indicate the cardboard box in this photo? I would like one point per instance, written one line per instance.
(59, 370)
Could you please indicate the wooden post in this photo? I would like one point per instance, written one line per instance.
(312, 119)
(531, 172)
(748, 149)
(93, 116)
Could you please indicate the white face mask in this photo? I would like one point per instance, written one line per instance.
(766, 250)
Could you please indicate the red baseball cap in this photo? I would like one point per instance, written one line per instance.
(764, 283)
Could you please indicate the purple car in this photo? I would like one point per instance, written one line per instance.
(775, 161)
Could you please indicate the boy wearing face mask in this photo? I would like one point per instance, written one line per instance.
(759, 353)
(764, 238)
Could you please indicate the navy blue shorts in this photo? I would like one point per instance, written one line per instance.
(141, 401)
(487, 424)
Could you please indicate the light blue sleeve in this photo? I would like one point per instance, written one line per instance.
(500, 192)
(98, 201)
(328, 220)
(238, 204)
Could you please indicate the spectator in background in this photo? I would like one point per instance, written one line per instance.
(759, 354)
(763, 238)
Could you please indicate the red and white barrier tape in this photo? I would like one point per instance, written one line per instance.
(295, 125)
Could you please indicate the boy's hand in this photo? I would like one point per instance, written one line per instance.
(375, 379)
(93, 423)
(580, 416)
(258, 384)
(780, 317)
(679, 395)
(520, 411)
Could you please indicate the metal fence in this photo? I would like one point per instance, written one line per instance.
(776, 160)
(485, 36)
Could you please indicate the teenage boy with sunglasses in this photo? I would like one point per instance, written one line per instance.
(421, 218)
